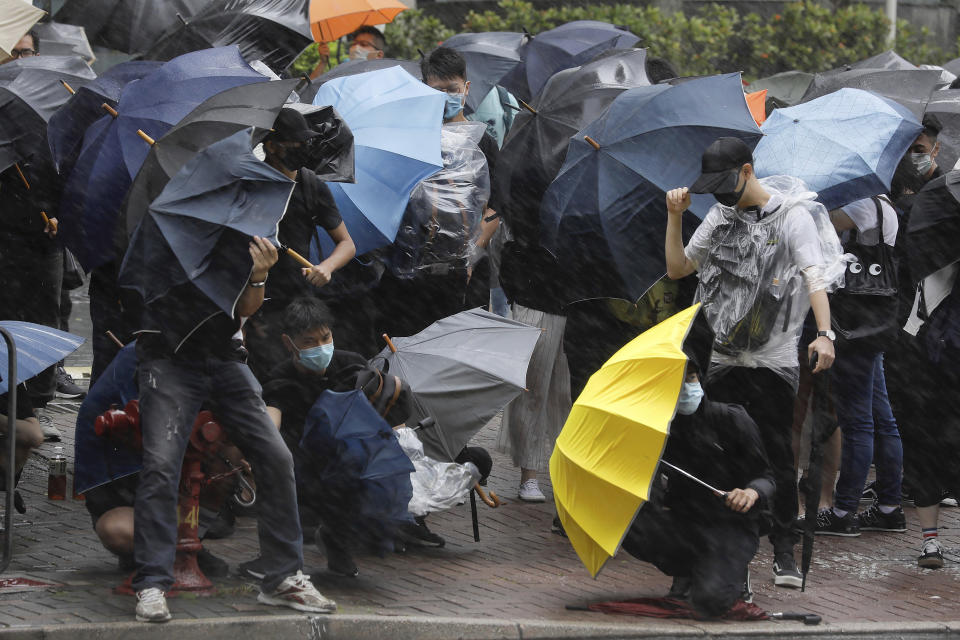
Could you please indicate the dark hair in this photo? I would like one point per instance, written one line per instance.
(305, 314)
(444, 63)
(36, 40)
(660, 69)
(931, 126)
(379, 40)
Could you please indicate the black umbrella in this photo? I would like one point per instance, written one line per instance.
(886, 60)
(933, 231)
(824, 424)
(274, 31)
(911, 88)
(945, 104)
(489, 56)
(61, 39)
(353, 67)
(331, 153)
(131, 26)
(953, 66)
(536, 145)
(30, 93)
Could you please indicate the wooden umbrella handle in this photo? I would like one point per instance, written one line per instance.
(492, 501)
(296, 256)
(47, 221)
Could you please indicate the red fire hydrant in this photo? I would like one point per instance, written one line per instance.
(206, 439)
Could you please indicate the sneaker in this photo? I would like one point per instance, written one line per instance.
(66, 387)
(747, 594)
(418, 535)
(680, 588)
(948, 500)
(339, 559)
(830, 524)
(785, 572)
(252, 569)
(873, 519)
(557, 527)
(297, 592)
(50, 432)
(931, 554)
(869, 493)
(530, 491)
(152, 606)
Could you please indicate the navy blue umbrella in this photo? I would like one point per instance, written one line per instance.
(130, 26)
(199, 227)
(489, 56)
(113, 152)
(568, 45)
(605, 212)
(66, 127)
(351, 468)
(38, 347)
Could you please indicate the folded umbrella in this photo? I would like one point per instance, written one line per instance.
(933, 230)
(274, 31)
(199, 227)
(569, 45)
(911, 88)
(490, 56)
(330, 21)
(604, 212)
(38, 347)
(351, 469)
(845, 145)
(945, 104)
(788, 86)
(16, 19)
(462, 370)
(131, 26)
(395, 120)
(113, 152)
(62, 39)
(353, 67)
(606, 457)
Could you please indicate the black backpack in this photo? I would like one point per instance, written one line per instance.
(864, 312)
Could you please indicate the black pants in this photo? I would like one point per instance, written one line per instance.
(713, 552)
(768, 399)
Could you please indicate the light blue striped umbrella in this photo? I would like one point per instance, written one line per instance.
(38, 347)
(844, 145)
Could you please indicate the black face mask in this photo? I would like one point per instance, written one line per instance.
(295, 157)
(730, 198)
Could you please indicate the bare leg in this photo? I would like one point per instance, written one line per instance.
(115, 530)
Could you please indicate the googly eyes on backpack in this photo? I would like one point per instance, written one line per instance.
(875, 269)
(856, 267)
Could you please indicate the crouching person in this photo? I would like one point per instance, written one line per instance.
(704, 541)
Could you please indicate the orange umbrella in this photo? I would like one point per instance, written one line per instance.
(332, 19)
(757, 101)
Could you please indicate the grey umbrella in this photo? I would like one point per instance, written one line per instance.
(462, 370)
(788, 86)
(59, 39)
(909, 87)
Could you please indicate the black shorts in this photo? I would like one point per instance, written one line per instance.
(117, 493)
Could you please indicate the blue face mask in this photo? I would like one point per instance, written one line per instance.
(691, 393)
(317, 358)
(453, 106)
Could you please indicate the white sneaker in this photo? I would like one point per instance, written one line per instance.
(297, 592)
(530, 491)
(152, 606)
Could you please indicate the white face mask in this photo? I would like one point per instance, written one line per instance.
(921, 162)
(691, 394)
(360, 52)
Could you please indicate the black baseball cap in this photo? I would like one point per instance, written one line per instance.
(720, 164)
(291, 126)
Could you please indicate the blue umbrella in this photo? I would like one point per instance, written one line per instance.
(568, 45)
(605, 211)
(198, 228)
(844, 145)
(113, 152)
(38, 347)
(98, 461)
(396, 121)
(489, 56)
(351, 468)
(66, 127)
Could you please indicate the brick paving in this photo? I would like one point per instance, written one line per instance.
(518, 570)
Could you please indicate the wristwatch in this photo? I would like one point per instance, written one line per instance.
(829, 334)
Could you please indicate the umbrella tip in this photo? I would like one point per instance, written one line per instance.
(150, 141)
(593, 143)
(109, 109)
(181, 19)
(393, 348)
(527, 107)
(67, 87)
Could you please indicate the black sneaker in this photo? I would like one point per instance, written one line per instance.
(252, 568)
(418, 535)
(931, 554)
(830, 524)
(557, 527)
(339, 559)
(873, 519)
(948, 500)
(66, 387)
(747, 595)
(785, 572)
(680, 588)
(870, 493)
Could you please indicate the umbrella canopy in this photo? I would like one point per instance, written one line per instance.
(911, 88)
(112, 152)
(396, 121)
(330, 21)
(30, 93)
(68, 124)
(845, 145)
(131, 26)
(607, 454)
(886, 60)
(945, 104)
(933, 230)
(953, 66)
(38, 347)
(16, 18)
(536, 144)
(489, 56)
(605, 210)
(788, 86)
(274, 31)
(61, 39)
(569, 45)
(757, 103)
(198, 228)
(462, 370)
(354, 67)
(350, 464)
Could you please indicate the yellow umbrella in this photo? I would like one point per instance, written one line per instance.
(606, 457)
(332, 19)
(16, 18)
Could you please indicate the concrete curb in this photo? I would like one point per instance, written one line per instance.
(375, 627)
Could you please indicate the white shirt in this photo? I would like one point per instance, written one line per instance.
(863, 213)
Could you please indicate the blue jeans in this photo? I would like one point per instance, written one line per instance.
(171, 394)
(863, 409)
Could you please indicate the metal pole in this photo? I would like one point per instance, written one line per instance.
(892, 17)
(11, 447)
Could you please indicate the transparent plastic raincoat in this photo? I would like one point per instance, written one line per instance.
(436, 485)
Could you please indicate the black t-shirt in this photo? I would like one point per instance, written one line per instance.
(294, 392)
(24, 405)
(488, 145)
(311, 205)
(20, 208)
(188, 325)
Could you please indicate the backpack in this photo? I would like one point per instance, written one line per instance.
(864, 312)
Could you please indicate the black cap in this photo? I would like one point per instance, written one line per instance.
(931, 125)
(291, 126)
(720, 165)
